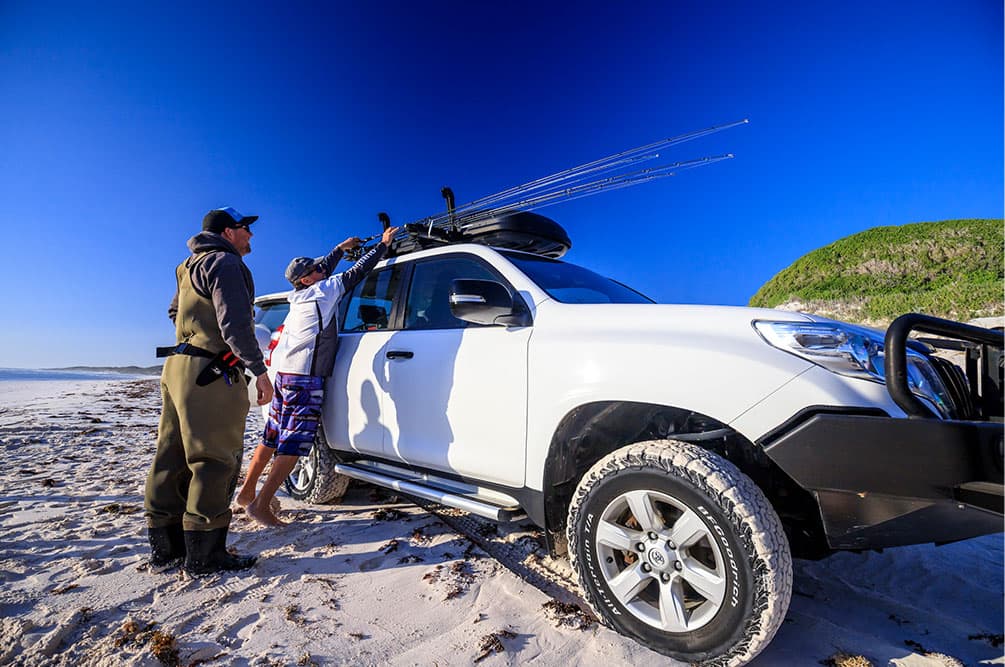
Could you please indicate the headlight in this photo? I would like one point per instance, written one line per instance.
(854, 351)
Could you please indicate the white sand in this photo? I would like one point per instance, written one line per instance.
(340, 586)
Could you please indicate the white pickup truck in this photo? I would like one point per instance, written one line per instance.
(681, 455)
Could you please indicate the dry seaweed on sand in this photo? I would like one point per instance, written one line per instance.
(418, 537)
(569, 615)
(306, 660)
(410, 558)
(994, 640)
(387, 514)
(164, 647)
(132, 632)
(294, 614)
(459, 577)
(842, 659)
(492, 643)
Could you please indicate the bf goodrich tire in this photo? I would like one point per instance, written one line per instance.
(314, 479)
(675, 547)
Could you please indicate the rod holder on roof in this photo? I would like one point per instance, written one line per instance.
(448, 196)
(385, 220)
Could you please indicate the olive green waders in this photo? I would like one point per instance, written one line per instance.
(199, 447)
(201, 435)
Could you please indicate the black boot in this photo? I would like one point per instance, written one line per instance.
(167, 545)
(206, 553)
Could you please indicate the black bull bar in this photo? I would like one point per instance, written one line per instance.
(881, 481)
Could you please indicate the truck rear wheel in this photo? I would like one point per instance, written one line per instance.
(314, 479)
(675, 547)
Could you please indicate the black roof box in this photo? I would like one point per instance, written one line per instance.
(513, 230)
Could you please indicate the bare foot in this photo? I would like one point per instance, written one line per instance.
(245, 497)
(264, 516)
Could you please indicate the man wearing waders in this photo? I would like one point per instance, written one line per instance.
(303, 358)
(205, 400)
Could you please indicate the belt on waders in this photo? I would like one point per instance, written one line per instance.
(224, 364)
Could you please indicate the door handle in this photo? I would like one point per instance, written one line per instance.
(399, 354)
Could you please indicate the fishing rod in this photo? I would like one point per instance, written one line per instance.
(602, 185)
(615, 172)
(547, 187)
(608, 162)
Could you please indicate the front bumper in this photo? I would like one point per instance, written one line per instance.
(883, 482)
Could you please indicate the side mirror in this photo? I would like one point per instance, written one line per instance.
(485, 302)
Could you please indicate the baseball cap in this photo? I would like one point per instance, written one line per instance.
(300, 267)
(220, 219)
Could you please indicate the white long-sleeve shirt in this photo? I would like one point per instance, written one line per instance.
(309, 339)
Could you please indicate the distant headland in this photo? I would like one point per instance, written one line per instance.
(125, 370)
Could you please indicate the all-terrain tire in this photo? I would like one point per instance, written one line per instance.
(738, 543)
(314, 480)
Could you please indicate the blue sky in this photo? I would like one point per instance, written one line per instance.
(121, 124)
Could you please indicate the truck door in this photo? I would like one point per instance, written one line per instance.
(455, 393)
(353, 416)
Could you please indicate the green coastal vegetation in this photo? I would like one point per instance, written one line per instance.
(953, 269)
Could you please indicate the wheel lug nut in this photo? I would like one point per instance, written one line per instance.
(677, 565)
(646, 567)
(640, 546)
(652, 535)
(671, 545)
(665, 578)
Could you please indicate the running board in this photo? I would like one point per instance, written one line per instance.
(482, 509)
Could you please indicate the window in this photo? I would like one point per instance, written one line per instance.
(369, 306)
(271, 315)
(428, 306)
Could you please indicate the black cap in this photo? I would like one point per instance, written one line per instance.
(300, 267)
(220, 219)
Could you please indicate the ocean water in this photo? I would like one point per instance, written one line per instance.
(33, 375)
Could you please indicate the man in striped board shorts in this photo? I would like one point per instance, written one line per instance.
(303, 358)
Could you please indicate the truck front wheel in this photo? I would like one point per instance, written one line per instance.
(675, 547)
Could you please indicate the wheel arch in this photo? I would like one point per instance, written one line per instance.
(593, 430)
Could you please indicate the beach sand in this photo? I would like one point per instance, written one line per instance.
(376, 580)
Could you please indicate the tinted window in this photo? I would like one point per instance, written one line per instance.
(369, 306)
(271, 315)
(428, 306)
(569, 283)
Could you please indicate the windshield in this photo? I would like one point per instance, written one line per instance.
(569, 283)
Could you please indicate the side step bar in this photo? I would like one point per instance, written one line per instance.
(481, 508)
